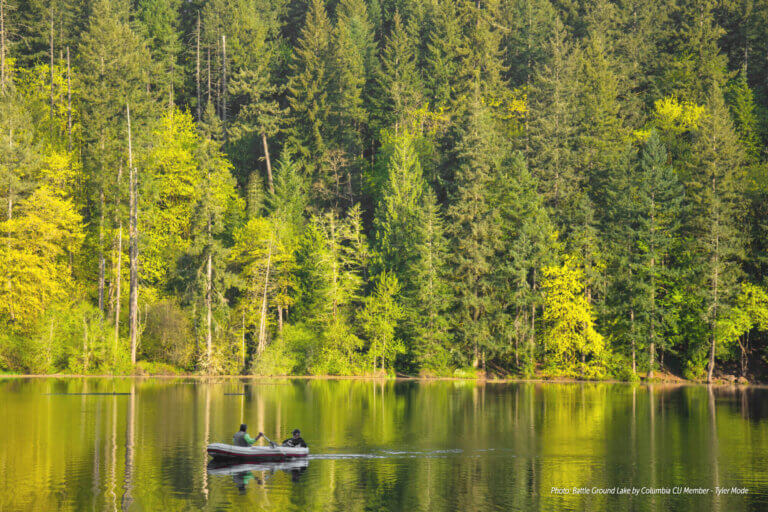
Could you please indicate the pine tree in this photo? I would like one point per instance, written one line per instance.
(158, 22)
(716, 186)
(429, 299)
(259, 112)
(308, 87)
(658, 212)
(445, 52)
(552, 126)
(474, 228)
(353, 68)
(399, 90)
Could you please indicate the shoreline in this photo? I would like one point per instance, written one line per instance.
(512, 380)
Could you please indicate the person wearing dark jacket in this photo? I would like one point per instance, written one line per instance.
(295, 441)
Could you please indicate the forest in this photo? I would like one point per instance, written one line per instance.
(556, 188)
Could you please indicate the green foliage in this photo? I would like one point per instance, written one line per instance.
(455, 151)
(379, 320)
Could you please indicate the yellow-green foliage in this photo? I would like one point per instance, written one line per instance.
(677, 117)
(749, 311)
(176, 180)
(569, 332)
(35, 246)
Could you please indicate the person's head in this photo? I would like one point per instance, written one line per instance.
(296, 433)
(243, 427)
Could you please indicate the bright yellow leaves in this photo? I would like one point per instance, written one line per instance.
(569, 330)
(35, 249)
(677, 117)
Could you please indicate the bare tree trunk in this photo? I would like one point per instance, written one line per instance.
(85, 345)
(243, 340)
(197, 67)
(269, 163)
(208, 74)
(102, 262)
(133, 304)
(280, 319)
(209, 317)
(224, 84)
(69, 106)
(263, 319)
(2, 45)
(715, 291)
(632, 330)
(51, 52)
(118, 281)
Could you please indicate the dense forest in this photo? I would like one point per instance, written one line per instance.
(427, 187)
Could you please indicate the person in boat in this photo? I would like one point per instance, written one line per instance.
(241, 437)
(295, 441)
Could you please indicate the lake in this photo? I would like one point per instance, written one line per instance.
(139, 444)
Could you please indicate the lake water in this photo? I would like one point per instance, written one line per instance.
(139, 444)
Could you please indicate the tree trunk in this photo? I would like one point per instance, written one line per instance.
(208, 75)
(102, 262)
(133, 304)
(118, 292)
(224, 84)
(69, 106)
(197, 67)
(632, 331)
(269, 163)
(2, 46)
(715, 303)
(280, 319)
(85, 345)
(243, 340)
(263, 319)
(744, 355)
(51, 52)
(208, 314)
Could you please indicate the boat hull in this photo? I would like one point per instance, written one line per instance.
(223, 451)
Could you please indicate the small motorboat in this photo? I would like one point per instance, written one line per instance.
(223, 451)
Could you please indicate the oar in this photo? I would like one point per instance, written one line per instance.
(272, 444)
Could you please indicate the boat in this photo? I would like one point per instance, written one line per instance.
(223, 451)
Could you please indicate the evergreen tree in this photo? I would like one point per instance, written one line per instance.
(259, 112)
(658, 212)
(308, 88)
(399, 90)
(474, 229)
(553, 127)
(353, 68)
(716, 183)
(158, 22)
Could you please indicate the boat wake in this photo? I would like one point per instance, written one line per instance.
(387, 454)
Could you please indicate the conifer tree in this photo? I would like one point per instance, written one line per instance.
(353, 68)
(552, 125)
(399, 90)
(308, 87)
(474, 228)
(716, 183)
(658, 212)
(259, 113)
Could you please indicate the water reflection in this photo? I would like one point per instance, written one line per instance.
(139, 444)
(243, 474)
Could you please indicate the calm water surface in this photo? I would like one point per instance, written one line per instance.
(139, 444)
